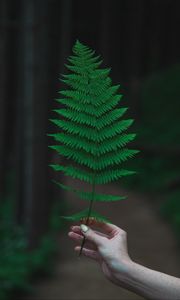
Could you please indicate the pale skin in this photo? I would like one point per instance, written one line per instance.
(107, 245)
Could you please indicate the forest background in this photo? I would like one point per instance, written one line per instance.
(139, 40)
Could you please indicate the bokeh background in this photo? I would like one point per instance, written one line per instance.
(139, 40)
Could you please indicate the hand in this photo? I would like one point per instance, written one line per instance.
(108, 248)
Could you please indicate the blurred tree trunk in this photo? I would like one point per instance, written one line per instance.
(33, 182)
(42, 194)
(35, 100)
(3, 100)
(42, 198)
(25, 115)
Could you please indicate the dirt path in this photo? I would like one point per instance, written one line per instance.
(150, 242)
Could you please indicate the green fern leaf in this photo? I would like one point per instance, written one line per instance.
(91, 132)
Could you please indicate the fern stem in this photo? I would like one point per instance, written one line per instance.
(89, 212)
(90, 207)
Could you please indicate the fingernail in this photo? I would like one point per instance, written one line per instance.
(84, 228)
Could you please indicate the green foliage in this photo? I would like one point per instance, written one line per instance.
(13, 261)
(160, 108)
(158, 131)
(160, 111)
(18, 264)
(92, 137)
(159, 135)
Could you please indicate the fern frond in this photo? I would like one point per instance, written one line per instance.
(91, 135)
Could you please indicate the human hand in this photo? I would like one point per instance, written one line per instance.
(108, 247)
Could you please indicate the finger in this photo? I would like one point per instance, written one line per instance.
(77, 229)
(109, 228)
(88, 252)
(78, 239)
(92, 236)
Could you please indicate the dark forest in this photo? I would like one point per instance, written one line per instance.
(139, 41)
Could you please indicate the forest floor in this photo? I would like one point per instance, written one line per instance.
(151, 243)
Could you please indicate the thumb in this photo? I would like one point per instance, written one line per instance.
(91, 235)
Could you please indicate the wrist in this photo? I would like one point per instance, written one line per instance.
(123, 270)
